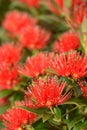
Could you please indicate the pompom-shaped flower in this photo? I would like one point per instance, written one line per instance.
(83, 88)
(68, 41)
(8, 77)
(9, 54)
(33, 37)
(31, 3)
(72, 64)
(47, 93)
(14, 21)
(17, 119)
(52, 7)
(36, 65)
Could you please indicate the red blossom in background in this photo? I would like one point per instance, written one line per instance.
(16, 118)
(31, 3)
(71, 64)
(47, 93)
(9, 58)
(75, 2)
(8, 77)
(36, 65)
(9, 54)
(33, 37)
(51, 6)
(14, 21)
(79, 9)
(83, 88)
(68, 41)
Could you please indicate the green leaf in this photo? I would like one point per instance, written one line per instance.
(46, 117)
(37, 111)
(4, 108)
(57, 111)
(1, 125)
(72, 123)
(80, 126)
(17, 96)
(39, 125)
(5, 93)
(78, 102)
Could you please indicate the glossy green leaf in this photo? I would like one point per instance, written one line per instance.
(57, 112)
(1, 125)
(4, 108)
(37, 111)
(5, 93)
(46, 117)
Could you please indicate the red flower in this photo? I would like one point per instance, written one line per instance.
(33, 37)
(16, 118)
(79, 12)
(85, 12)
(31, 3)
(71, 64)
(14, 21)
(68, 41)
(36, 65)
(76, 2)
(9, 54)
(83, 88)
(47, 93)
(8, 77)
(52, 7)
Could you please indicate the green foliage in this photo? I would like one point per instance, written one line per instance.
(5, 93)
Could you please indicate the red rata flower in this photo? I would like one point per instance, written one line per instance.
(14, 21)
(31, 3)
(52, 7)
(68, 41)
(36, 65)
(79, 9)
(71, 64)
(10, 53)
(16, 118)
(75, 2)
(8, 77)
(33, 37)
(47, 93)
(83, 88)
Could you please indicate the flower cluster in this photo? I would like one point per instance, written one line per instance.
(8, 77)
(67, 42)
(8, 67)
(47, 93)
(71, 64)
(10, 53)
(79, 8)
(17, 119)
(14, 21)
(43, 65)
(24, 28)
(36, 65)
(33, 37)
